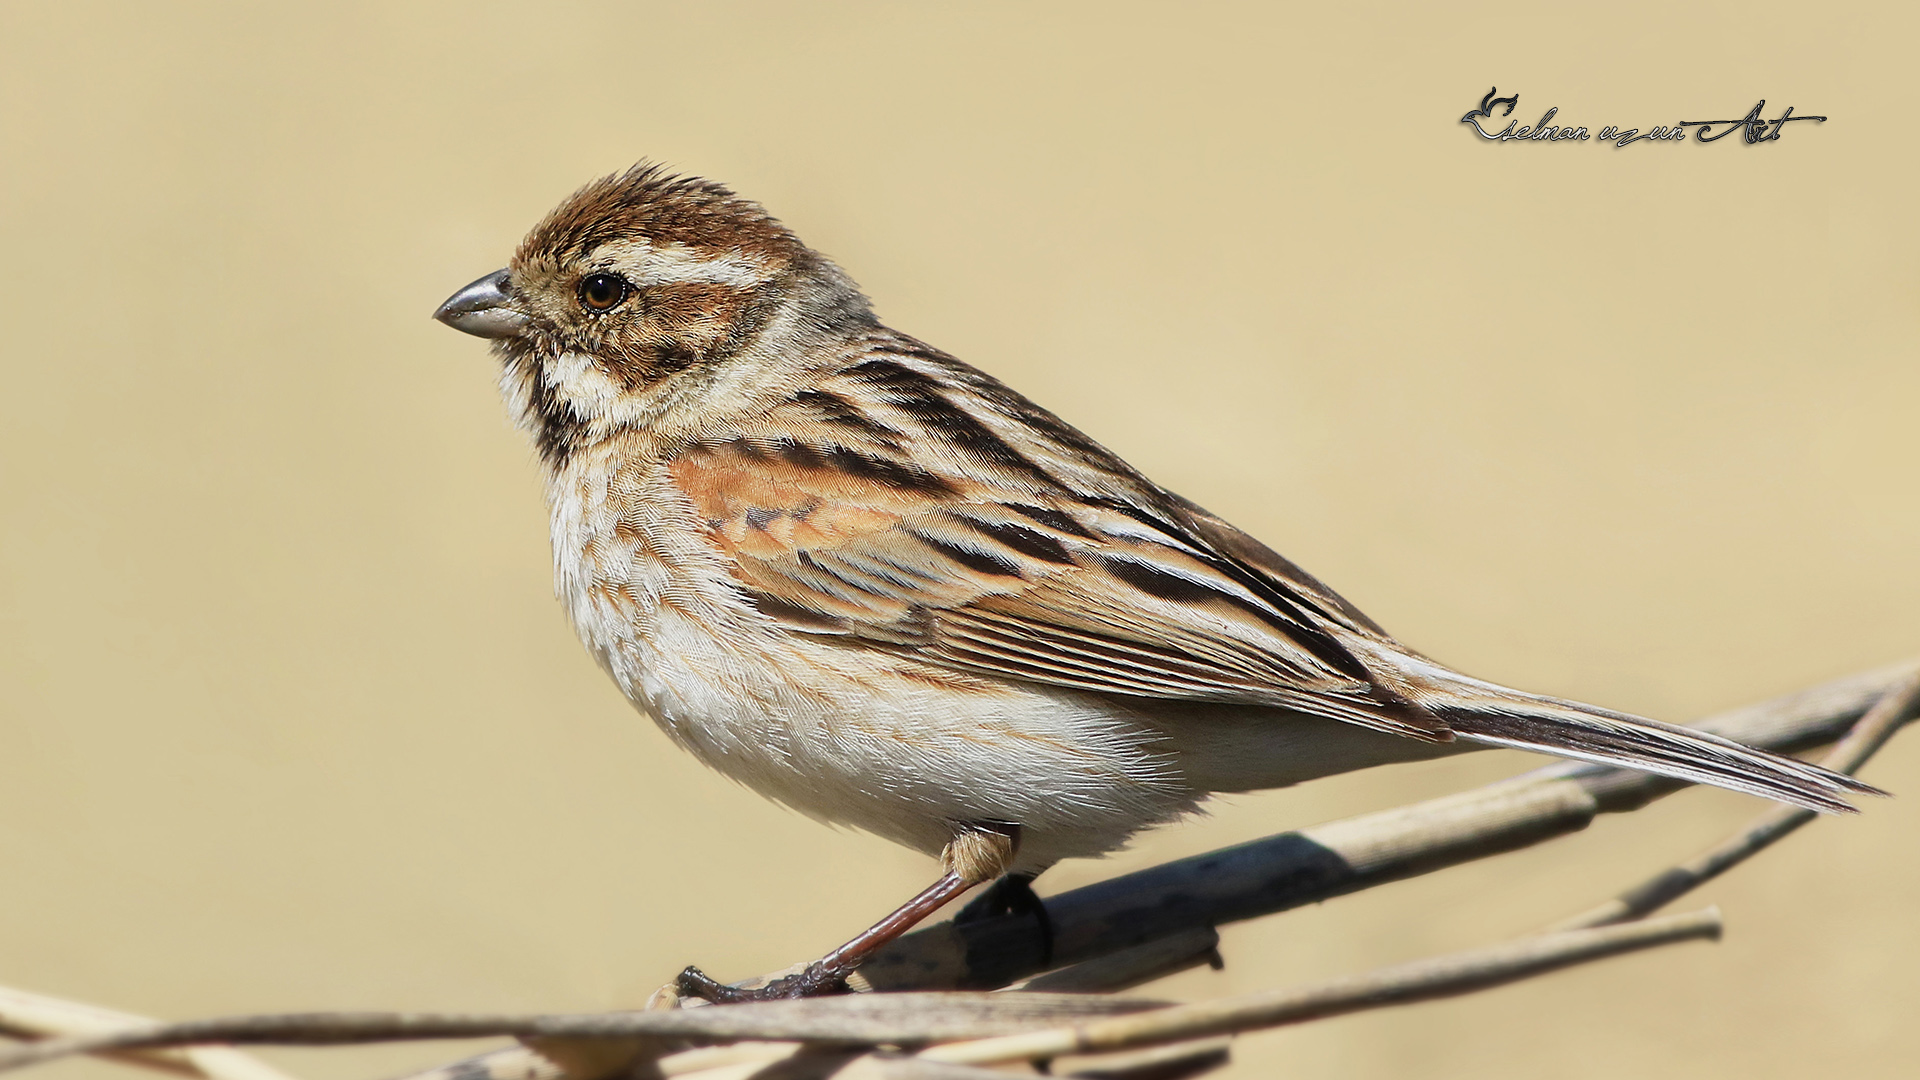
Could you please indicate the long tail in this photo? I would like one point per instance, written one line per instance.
(1488, 713)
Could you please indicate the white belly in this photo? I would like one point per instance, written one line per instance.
(847, 734)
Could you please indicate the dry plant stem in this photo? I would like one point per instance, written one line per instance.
(1402, 984)
(766, 1061)
(1269, 875)
(1292, 869)
(1896, 707)
(795, 1061)
(856, 1020)
(1168, 1063)
(26, 1015)
(838, 1066)
(979, 1024)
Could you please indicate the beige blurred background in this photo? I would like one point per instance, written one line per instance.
(291, 720)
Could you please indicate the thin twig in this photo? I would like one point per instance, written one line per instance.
(1402, 984)
(1898, 705)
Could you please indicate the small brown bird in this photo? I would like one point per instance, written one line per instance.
(874, 584)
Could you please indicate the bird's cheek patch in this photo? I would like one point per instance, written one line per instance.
(698, 314)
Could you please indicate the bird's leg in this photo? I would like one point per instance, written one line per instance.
(979, 853)
(1012, 895)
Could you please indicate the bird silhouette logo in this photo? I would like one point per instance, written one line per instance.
(1486, 109)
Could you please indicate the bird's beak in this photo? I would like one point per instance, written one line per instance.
(484, 309)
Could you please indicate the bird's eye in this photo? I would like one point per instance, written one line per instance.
(602, 292)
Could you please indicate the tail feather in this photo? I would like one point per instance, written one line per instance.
(1588, 733)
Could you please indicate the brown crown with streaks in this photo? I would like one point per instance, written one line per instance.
(648, 202)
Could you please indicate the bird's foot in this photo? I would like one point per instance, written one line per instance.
(1012, 895)
(828, 975)
(816, 980)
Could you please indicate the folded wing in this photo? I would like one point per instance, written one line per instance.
(906, 501)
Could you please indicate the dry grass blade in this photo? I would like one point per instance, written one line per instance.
(1896, 707)
(27, 1015)
(1403, 984)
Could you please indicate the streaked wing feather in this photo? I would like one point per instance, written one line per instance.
(906, 501)
(1249, 552)
(987, 570)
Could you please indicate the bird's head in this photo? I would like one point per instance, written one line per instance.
(639, 288)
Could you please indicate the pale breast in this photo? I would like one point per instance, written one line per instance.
(843, 732)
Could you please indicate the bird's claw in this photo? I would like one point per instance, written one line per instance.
(815, 981)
